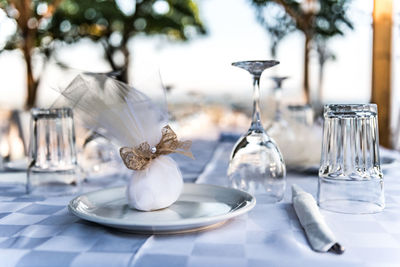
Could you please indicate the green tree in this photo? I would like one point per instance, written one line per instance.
(109, 22)
(30, 18)
(106, 22)
(318, 20)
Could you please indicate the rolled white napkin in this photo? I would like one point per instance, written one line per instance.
(317, 231)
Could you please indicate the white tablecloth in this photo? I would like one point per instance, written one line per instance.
(271, 235)
(39, 231)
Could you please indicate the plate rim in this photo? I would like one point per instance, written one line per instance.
(183, 222)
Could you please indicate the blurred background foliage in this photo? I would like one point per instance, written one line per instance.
(41, 25)
(52, 39)
(318, 20)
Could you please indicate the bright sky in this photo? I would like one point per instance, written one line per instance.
(204, 65)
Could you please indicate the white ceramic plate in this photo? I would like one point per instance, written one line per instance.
(200, 206)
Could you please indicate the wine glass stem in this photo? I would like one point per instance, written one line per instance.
(256, 118)
(278, 110)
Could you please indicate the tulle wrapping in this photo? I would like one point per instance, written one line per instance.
(128, 118)
(156, 187)
(114, 109)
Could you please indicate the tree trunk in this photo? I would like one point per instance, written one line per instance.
(29, 35)
(306, 83)
(123, 74)
(323, 56)
(125, 68)
(32, 85)
(108, 54)
(320, 82)
(318, 105)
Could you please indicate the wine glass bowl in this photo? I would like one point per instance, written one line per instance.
(257, 167)
(256, 164)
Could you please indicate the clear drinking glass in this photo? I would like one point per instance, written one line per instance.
(100, 160)
(53, 168)
(302, 114)
(256, 164)
(350, 176)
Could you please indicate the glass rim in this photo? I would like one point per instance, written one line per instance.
(298, 107)
(52, 112)
(350, 109)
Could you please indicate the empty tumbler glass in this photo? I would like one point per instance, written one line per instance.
(53, 168)
(350, 176)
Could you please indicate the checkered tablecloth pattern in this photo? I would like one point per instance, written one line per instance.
(42, 232)
(271, 235)
(39, 231)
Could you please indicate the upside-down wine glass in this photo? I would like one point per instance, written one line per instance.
(278, 95)
(278, 125)
(256, 164)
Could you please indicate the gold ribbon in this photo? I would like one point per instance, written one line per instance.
(138, 158)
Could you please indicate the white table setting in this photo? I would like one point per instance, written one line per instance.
(227, 202)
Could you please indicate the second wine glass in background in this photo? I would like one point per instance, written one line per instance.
(293, 129)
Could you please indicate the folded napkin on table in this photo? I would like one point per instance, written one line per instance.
(318, 233)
